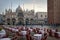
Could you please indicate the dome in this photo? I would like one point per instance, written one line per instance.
(18, 9)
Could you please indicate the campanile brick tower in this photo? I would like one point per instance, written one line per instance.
(53, 11)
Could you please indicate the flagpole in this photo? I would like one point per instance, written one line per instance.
(23, 6)
(11, 4)
(11, 12)
(33, 5)
(19, 2)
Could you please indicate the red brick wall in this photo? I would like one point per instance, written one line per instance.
(53, 11)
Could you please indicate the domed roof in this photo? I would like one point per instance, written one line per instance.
(18, 9)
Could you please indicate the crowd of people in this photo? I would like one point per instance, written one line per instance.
(27, 33)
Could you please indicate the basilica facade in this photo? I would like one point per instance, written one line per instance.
(18, 17)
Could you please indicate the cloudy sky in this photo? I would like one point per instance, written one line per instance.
(39, 5)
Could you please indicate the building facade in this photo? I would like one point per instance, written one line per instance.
(29, 16)
(41, 17)
(20, 17)
(10, 17)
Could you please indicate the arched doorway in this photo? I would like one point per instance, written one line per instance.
(21, 21)
(27, 21)
(8, 21)
(31, 21)
(13, 21)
